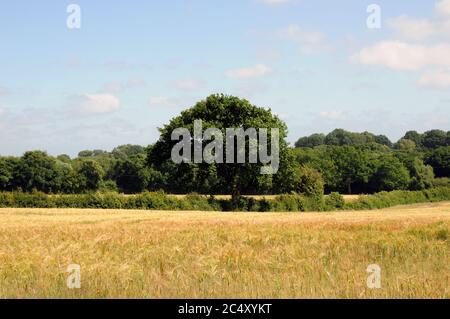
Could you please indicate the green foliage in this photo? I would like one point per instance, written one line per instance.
(439, 159)
(221, 112)
(37, 170)
(311, 141)
(130, 175)
(334, 201)
(441, 182)
(390, 175)
(90, 174)
(161, 201)
(434, 139)
(394, 198)
(308, 181)
(406, 145)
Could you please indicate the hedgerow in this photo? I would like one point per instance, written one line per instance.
(162, 201)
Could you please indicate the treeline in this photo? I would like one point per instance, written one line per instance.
(412, 140)
(344, 162)
(356, 163)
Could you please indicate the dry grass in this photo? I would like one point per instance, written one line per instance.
(248, 255)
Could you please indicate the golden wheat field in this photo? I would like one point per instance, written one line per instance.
(149, 254)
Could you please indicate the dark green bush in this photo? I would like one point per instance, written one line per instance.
(335, 201)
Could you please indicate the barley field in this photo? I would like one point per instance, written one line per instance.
(151, 254)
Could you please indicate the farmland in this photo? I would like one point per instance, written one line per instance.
(156, 254)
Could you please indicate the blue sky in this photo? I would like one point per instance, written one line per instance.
(135, 64)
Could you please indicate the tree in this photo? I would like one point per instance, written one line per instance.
(308, 181)
(413, 136)
(8, 167)
(390, 175)
(352, 166)
(90, 174)
(422, 176)
(221, 112)
(340, 137)
(129, 150)
(131, 175)
(406, 145)
(311, 141)
(383, 140)
(37, 170)
(434, 139)
(439, 159)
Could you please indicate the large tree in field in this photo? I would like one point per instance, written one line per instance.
(221, 112)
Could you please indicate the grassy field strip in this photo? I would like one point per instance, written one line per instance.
(154, 254)
(18, 216)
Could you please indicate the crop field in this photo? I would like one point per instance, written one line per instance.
(156, 254)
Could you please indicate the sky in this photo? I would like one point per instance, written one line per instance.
(133, 65)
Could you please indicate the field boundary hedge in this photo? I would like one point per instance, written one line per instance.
(281, 203)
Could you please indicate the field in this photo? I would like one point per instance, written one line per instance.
(207, 255)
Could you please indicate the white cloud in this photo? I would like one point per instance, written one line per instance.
(156, 101)
(189, 84)
(419, 29)
(92, 104)
(436, 26)
(309, 41)
(437, 80)
(411, 28)
(403, 56)
(442, 8)
(258, 70)
(332, 115)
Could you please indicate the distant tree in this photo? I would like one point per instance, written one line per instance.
(434, 139)
(64, 158)
(383, 140)
(67, 179)
(37, 170)
(352, 166)
(90, 174)
(8, 167)
(125, 151)
(406, 145)
(413, 136)
(340, 137)
(439, 159)
(311, 141)
(390, 175)
(308, 181)
(86, 153)
(131, 175)
(422, 176)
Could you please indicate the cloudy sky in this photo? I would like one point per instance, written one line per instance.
(135, 64)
